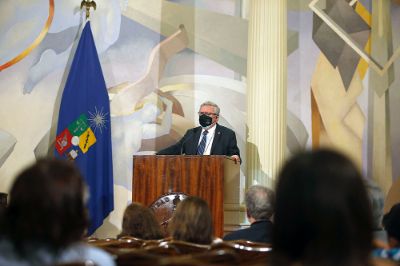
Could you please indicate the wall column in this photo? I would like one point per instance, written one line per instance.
(266, 90)
(380, 162)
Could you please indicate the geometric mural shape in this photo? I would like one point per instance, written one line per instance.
(219, 37)
(332, 46)
(348, 39)
(7, 144)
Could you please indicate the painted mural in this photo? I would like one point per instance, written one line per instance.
(162, 59)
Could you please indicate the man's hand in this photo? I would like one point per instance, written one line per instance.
(236, 158)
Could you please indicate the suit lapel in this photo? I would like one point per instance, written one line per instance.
(216, 139)
(196, 138)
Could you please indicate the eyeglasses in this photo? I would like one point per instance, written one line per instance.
(207, 114)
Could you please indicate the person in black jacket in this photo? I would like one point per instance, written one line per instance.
(209, 138)
(260, 203)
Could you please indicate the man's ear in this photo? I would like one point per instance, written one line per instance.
(247, 214)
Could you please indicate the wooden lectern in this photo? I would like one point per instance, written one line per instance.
(202, 176)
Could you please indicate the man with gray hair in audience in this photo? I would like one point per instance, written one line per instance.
(260, 202)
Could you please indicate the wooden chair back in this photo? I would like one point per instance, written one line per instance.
(138, 257)
(247, 251)
(184, 247)
(78, 263)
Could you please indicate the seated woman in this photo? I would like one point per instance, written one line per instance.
(46, 218)
(140, 222)
(192, 221)
(323, 214)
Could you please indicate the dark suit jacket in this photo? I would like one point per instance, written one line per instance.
(224, 143)
(259, 231)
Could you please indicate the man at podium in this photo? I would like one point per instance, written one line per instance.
(209, 138)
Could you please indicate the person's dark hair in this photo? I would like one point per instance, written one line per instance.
(46, 207)
(192, 221)
(391, 222)
(260, 202)
(322, 214)
(139, 221)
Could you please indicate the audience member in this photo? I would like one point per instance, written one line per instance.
(192, 221)
(377, 200)
(260, 203)
(46, 218)
(323, 214)
(139, 221)
(391, 223)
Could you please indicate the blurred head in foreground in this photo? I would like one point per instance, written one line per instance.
(322, 214)
(46, 207)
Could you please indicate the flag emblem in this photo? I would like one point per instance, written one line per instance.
(86, 140)
(79, 125)
(80, 134)
(98, 119)
(63, 141)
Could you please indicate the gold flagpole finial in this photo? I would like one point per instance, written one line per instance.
(88, 4)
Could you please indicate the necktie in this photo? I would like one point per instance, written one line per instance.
(202, 145)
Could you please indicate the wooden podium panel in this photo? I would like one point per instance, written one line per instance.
(202, 176)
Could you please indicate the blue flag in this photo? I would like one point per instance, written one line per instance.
(84, 128)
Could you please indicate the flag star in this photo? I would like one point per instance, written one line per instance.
(97, 119)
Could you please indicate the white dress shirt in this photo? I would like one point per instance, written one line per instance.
(210, 138)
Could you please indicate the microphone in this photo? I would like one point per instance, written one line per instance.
(190, 136)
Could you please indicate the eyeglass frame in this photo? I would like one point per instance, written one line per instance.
(207, 114)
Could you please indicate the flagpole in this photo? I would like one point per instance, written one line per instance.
(88, 4)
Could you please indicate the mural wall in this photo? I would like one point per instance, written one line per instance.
(162, 59)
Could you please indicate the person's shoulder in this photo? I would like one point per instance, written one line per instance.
(8, 255)
(236, 235)
(262, 223)
(224, 129)
(195, 129)
(5, 244)
(103, 258)
(83, 251)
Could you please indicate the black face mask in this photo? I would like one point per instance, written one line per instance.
(205, 120)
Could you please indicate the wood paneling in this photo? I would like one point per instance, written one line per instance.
(202, 176)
